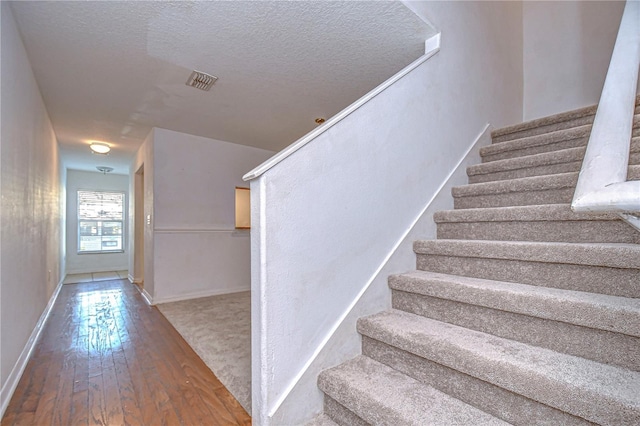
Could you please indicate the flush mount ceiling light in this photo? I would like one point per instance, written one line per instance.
(104, 169)
(201, 80)
(100, 148)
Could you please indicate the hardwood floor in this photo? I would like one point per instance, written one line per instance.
(107, 358)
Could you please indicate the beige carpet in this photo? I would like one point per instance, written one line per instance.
(218, 328)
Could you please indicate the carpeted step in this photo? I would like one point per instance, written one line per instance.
(605, 268)
(549, 124)
(550, 222)
(547, 142)
(322, 420)
(562, 161)
(340, 414)
(594, 326)
(380, 395)
(536, 190)
(597, 392)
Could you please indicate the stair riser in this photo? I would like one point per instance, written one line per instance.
(539, 149)
(597, 345)
(579, 231)
(501, 403)
(340, 414)
(520, 198)
(580, 121)
(543, 170)
(594, 279)
(551, 127)
(528, 172)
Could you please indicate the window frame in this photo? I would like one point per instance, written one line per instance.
(81, 220)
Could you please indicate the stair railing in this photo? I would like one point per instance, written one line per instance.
(602, 184)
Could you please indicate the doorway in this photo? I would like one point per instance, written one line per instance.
(138, 225)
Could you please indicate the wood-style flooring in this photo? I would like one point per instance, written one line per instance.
(107, 358)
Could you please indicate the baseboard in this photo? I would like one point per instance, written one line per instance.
(147, 297)
(18, 369)
(206, 293)
(91, 271)
(134, 280)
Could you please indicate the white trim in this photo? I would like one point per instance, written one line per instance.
(146, 296)
(375, 274)
(433, 43)
(197, 295)
(18, 369)
(264, 418)
(94, 271)
(200, 230)
(602, 183)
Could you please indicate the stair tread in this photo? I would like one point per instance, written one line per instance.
(543, 139)
(548, 120)
(322, 420)
(532, 213)
(532, 183)
(594, 391)
(553, 137)
(536, 160)
(381, 395)
(612, 255)
(604, 312)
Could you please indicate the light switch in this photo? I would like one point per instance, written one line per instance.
(148, 219)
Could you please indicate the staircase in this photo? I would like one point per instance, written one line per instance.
(521, 312)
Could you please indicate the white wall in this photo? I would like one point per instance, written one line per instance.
(30, 229)
(197, 251)
(93, 262)
(328, 217)
(567, 47)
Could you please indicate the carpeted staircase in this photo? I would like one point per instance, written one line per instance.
(521, 312)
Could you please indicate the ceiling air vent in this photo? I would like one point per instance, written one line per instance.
(201, 80)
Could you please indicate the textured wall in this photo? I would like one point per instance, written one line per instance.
(196, 250)
(30, 229)
(567, 47)
(332, 212)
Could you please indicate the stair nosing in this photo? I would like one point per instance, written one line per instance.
(566, 382)
(549, 138)
(550, 120)
(334, 377)
(613, 311)
(612, 255)
(556, 136)
(545, 121)
(531, 183)
(530, 213)
(549, 158)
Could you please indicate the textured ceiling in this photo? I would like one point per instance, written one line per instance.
(110, 71)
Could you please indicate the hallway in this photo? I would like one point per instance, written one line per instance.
(107, 358)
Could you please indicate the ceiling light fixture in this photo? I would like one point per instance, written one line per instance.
(104, 169)
(100, 148)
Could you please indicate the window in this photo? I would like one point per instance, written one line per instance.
(100, 221)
